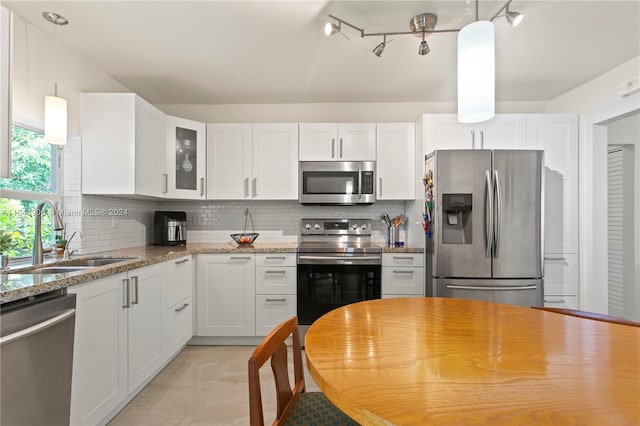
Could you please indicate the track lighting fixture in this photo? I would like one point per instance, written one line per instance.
(422, 24)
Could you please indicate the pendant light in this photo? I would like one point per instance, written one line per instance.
(476, 72)
(55, 108)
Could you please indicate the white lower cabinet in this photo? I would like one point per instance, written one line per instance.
(122, 335)
(275, 290)
(100, 381)
(226, 295)
(402, 274)
(177, 305)
(561, 280)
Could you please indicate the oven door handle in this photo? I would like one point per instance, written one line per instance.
(310, 257)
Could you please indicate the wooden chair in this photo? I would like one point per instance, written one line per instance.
(589, 315)
(294, 405)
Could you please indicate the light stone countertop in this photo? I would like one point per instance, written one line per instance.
(15, 286)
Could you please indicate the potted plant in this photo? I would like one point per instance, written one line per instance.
(60, 245)
(5, 244)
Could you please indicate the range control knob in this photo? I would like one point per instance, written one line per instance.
(354, 226)
(307, 226)
(364, 226)
(316, 226)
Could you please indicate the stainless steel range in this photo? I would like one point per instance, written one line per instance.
(337, 265)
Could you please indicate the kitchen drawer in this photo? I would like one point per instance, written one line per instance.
(276, 259)
(561, 274)
(177, 327)
(561, 301)
(402, 280)
(179, 280)
(275, 280)
(402, 259)
(271, 310)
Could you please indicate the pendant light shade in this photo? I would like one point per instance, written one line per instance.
(55, 120)
(476, 72)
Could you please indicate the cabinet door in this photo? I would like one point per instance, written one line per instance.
(186, 161)
(229, 161)
(177, 325)
(356, 142)
(178, 282)
(318, 142)
(99, 382)
(272, 309)
(444, 131)
(504, 131)
(150, 148)
(402, 280)
(145, 324)
(226, 295)
(395, 147)
(557, 135)
(275, 162)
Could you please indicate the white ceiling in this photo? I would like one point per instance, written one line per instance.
(222, 52)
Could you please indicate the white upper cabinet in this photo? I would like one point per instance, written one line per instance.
(123, 145)
(186, 160)
(337, 142)
(258, 161)
(395, 147)
(504, 131)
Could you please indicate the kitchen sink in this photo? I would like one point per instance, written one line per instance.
(99, 261)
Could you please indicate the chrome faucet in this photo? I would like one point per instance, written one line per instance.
(67, 253)
(37, 238)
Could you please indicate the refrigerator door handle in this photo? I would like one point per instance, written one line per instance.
(490, 288)
(488, 216)
(498, 207)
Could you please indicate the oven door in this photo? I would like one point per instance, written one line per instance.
(324, 287)
(337, 182)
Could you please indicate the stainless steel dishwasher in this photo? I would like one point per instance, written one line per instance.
(36, 359)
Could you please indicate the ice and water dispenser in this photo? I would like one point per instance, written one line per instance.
(457, 223)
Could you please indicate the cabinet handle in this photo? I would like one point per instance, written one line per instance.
(402, 271)
(127, 293)
(178, 262)
(473, 139)
(246, 187)
(559, 301)
(275, 258)
(333, 148)
(380, 186)
(254, 188)
(284, 299)
(340, 147)
(165, 178)
(275, 272)
(202, 187)
(240, 258)
(559, 259)
(481, 139)
(134, 280)
(182, 308)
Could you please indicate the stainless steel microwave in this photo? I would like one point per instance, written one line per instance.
(337, 182)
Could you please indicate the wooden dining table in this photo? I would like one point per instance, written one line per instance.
(435, 361)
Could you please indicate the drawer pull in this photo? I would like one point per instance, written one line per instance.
(284, 299)
(403, 257)
(182, 308)
(275, 272)
(275, 258)
(402, 271)
(240, 257)
(560, 259)
(561, 301)
(178, 262)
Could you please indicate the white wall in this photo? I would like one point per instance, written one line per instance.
(598, 103)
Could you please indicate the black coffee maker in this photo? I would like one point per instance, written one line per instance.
(169, 228)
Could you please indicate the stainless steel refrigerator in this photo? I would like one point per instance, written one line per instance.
(485, 225)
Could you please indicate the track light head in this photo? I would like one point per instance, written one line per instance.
(378, 49)
(424, 48)
(513, 18)
(330, 28)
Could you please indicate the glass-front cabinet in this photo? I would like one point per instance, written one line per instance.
(185, 174)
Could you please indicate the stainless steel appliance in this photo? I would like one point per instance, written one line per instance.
(487, 225)
(169, 228)
(36, 343)
(337, 182)
(337, 265)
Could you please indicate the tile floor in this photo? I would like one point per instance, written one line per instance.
(203, 385)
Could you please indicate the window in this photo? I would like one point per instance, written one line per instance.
(34, 176)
